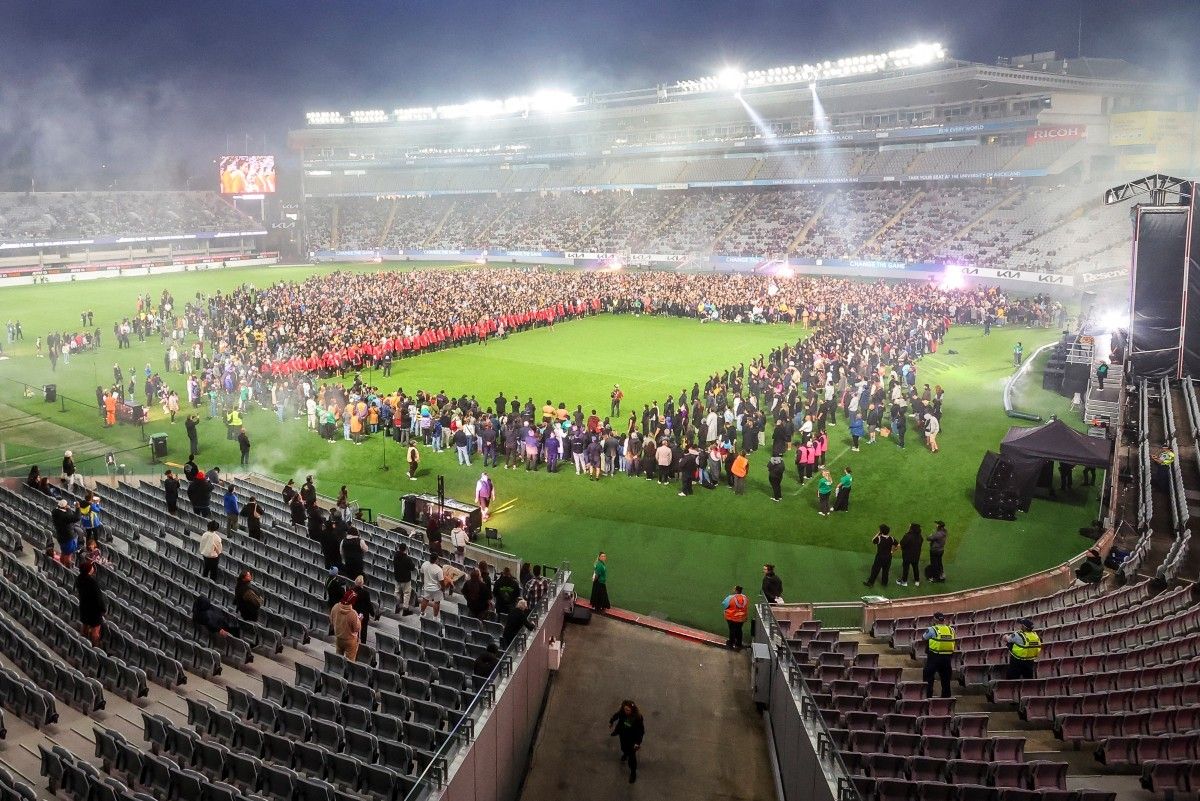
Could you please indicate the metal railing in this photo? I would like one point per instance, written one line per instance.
(437, 773)
(841, 785)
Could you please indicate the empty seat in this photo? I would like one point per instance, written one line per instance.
(886, 765)
(1009, 774)
(926, 769)
(866, 741)
(967, 771)
(905, 745)
(1048, 775)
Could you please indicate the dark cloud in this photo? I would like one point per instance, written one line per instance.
(90, 83)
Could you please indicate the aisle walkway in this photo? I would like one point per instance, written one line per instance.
(704, 738)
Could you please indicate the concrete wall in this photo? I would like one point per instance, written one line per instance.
(803, 774)
(493, 766)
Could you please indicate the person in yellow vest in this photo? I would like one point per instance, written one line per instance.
(233, 423)
(737, 607)
(939, 653)
(1024, 647)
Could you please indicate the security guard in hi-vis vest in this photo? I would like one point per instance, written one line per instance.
(1024, 647)
(939, 652)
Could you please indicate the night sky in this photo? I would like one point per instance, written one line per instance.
(165, 87)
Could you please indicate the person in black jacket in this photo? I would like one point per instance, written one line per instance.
(402, 572)
(91, 601)
(772, 585)
(506, 591)
(775, 470)
(296, 508)
(486, 662)
(353, 548)
(629, 727)
(518, 618)
(199, 492)
(687, 471)
(364, 606)
(331, 544)
(910, 554)
(309, 491)
(316, 522)
(253, 513)
(171, 487)
(65, 519)
(245, 599)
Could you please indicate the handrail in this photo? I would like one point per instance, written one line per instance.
(436, 772)
(832, 766)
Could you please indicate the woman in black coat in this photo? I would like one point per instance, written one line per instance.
(245, 599)
(910, 554)
(629, 727)
(91, 601)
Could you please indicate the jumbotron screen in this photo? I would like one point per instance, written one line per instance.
(247, 175)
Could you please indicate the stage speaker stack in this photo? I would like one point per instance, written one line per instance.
(1165, 290)
(993, 496)
(50, 392)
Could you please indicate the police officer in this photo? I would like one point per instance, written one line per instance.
(1024, 647)
(939, 651)
(736, 608)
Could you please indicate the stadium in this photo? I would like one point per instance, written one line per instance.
(389, 466)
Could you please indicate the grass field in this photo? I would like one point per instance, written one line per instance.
(670, 556)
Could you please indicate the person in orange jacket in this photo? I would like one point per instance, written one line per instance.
(741, 465)
(737, 609)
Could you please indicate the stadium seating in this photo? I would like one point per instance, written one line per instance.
(368, 729)
(1018, 227)
(71, 215)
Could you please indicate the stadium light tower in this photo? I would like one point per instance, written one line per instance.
(731, 79)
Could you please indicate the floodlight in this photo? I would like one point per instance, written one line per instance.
(732, 79)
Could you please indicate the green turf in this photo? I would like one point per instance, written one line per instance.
(668, 555)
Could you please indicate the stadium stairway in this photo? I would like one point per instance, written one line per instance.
(393, 209)
(810, 223)
(895, 218)
(335, 236)
(437, 229)
(734, 220)
(596, 226)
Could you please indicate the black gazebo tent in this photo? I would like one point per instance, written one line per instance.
(1024, 454)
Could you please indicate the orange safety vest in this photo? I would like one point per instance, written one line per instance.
(736, 611)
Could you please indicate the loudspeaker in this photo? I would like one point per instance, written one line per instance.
(51, 392)
(581, 615)
(158, 445)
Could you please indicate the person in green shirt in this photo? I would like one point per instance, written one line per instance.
(1018, 352)
(600, 583)
(824, 490)
(842, 502)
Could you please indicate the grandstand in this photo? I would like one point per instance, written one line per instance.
(61, 233)
(1003, 170)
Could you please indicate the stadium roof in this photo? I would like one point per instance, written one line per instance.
(945, 82)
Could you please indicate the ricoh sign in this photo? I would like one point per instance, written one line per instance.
(1044, 134)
